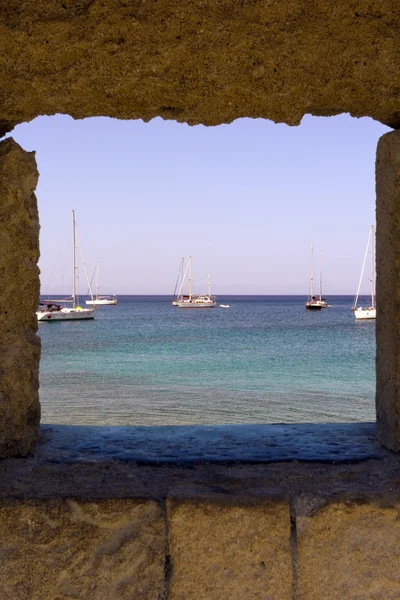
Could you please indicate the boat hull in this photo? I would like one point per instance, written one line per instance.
(101, 302)
(365, 313)
(65, 314)
(197, 304)
(310, 306)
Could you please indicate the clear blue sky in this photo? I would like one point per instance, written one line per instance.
(244, 199)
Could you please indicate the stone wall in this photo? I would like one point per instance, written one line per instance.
(132, 549)
(348, 550)
(67, 549)
(298, 533)
(19, 296)
(200, 548)
(199, 62)
(388, 290)
(76, 522)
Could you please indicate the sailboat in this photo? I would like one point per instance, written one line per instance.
(101, 300)
(360, 312)
(313, 302)
(52, 309)
(181, 275)
(195, 300)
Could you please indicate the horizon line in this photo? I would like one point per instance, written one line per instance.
(216, 294)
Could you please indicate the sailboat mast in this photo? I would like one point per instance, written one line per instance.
(190, 278)
(182, 275)
(97, 280)
(74, 257)
(373, 266)
(320, 275)
(209, 285)
(362, 270)
(312, 271)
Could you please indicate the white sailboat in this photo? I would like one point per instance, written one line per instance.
(195, 300)
(359, 311)
(313, 302)
(101, 300)
(52, 309)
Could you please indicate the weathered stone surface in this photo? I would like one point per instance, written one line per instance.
(50, 474)
(221, 551)
(107, 550)
(19, 296)
(218, 536)
(201, 61)
(349, 551)
(388, 290)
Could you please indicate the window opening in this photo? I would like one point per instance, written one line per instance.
(244, 201)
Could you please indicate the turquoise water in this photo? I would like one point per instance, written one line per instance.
(264, 360)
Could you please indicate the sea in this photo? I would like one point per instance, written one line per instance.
(265, 359)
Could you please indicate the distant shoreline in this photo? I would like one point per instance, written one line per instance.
(120, 294)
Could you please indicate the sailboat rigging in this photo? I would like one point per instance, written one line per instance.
(360, 312)
(322, 300)
(181, 275)
(101, 300)
(52, 309)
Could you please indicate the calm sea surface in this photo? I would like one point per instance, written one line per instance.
(264, 360)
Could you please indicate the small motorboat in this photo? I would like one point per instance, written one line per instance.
(224, 306)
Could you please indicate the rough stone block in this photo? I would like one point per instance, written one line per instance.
(219, 551)
(349, 551)
(388, 290)
(109, 550)
(199, 62)
(19, 297)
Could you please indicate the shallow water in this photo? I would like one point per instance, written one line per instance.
(264, 360)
